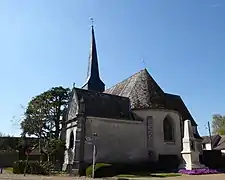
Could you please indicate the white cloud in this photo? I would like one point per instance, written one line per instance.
(215, 5)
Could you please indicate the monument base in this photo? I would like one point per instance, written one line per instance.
(191, 161)
(64, 167)
(192, 166)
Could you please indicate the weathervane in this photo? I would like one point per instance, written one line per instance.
(143, 62)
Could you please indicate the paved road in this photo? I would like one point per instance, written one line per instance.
(185, 177)
(33, 177)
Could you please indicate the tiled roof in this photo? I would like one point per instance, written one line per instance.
(99, 104)
(141, 89)
(221, 144)
(218, 141)
(215, 140)
(144, 92)
(174, 102)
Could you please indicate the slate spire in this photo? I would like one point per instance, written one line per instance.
(93, 82)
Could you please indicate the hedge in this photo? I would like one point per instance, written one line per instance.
(33, 167)
(98, 166)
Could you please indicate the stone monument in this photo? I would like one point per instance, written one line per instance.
(190, 153)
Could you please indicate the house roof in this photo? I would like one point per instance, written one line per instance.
(215, 140)
(144, 92)
(221, 143)
(218, 141)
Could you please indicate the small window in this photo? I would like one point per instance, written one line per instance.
(71, 140)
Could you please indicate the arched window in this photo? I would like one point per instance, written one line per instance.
(168, 129)
(71, 140)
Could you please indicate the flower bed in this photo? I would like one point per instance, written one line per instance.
(199, 171)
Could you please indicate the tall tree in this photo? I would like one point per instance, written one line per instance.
(218, 124)
(44, 113)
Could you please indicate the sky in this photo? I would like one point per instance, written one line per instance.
(44, 44)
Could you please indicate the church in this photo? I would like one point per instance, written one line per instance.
(133, 121)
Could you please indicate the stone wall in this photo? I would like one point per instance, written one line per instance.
(117, 141)
(7, 158)
(159, 146)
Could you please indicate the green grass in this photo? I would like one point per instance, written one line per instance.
(138, 175)
(165, 174)
(8, 170)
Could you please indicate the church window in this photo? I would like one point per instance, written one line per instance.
(71, 140)
(168, 130)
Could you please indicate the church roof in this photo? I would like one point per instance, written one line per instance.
(99, 104)
(141, 89)
(174, 102)
(144, 92)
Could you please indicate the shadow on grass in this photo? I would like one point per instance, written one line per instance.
(166, 175)
(146, 174)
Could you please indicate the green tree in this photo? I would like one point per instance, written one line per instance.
(44, 113)
(218, 124)
(54, 148)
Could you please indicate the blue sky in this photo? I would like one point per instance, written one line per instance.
(46, 43)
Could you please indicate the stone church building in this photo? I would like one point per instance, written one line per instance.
(133, 121)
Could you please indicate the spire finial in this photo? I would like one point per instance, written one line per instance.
(143, 62)
(92, 22)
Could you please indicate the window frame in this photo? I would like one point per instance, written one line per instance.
(169, 120)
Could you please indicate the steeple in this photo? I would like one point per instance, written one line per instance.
(93, 82)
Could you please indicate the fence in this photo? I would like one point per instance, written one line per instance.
(213, 159)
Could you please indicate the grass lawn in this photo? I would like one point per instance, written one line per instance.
(162, 175)
(8, 170)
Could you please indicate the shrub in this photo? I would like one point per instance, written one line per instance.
(33, 167)
(98, 166)
(110, 170)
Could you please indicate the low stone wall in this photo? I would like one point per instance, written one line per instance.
(7, 158)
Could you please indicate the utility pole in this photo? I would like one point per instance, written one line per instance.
(93, 155)
(210, 136)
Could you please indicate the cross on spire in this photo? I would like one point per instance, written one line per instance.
(92, 22)
(143, 62)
